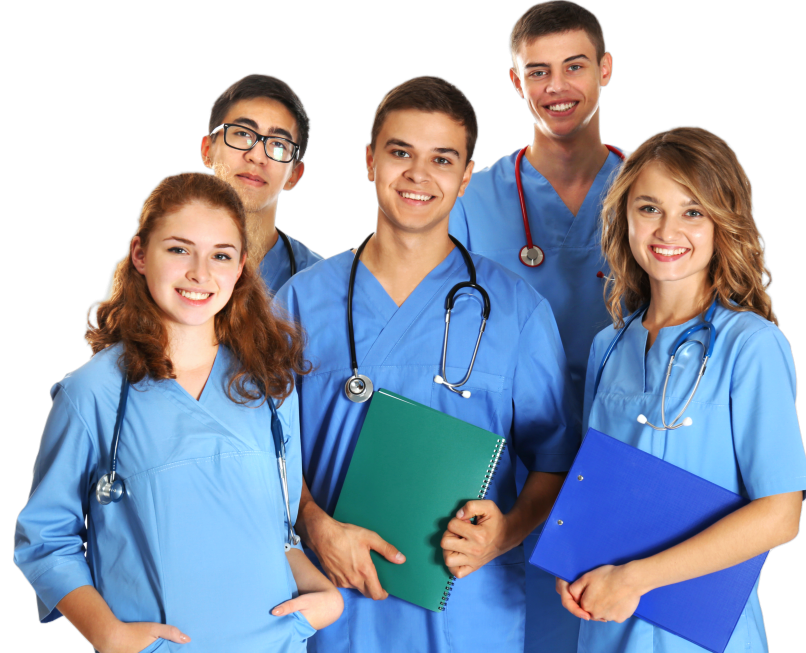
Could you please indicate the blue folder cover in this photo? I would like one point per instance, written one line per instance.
(620, 504)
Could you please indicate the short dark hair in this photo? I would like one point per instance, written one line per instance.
(263, 86)
(554, 18)
(433, 95)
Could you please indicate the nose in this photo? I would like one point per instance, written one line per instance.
(417, 172)
(199, 270)
(668, 229)
(257, 154)
(557, 83)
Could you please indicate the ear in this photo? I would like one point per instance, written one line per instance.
(206, 144)
(605, 69)
(370, 164)
(466, 177)
(296, 175)
(138, 254)
(516, 81)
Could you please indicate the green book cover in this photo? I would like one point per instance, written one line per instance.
(409, 455)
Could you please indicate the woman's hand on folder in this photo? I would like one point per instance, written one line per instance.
(607, 593)
(343, 550)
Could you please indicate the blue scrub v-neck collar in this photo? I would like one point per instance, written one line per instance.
(273, 262)
(213, 377)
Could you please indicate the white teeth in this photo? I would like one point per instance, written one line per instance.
(669, 252)
(195, 295)
(561, 107)
(413, 196)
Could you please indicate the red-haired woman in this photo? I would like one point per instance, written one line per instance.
(688, 265)
(167, 445)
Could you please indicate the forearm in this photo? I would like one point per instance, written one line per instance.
(532, 507)
(757, 527)
(86, 609)
(307, 577)
(309, 516)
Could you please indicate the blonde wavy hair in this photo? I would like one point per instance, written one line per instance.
(705, 165)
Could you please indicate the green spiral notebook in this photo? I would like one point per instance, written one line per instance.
(412, 469)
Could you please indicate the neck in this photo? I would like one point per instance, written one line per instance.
(676, 302)
(400, 259)
(261, 232)
(192, 348)
(569, 161)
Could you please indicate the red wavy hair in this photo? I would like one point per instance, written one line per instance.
(267, 346)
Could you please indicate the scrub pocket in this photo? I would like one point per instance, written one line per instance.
(483, 405)
(155, 645)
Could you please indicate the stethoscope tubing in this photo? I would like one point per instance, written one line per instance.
(292, 261)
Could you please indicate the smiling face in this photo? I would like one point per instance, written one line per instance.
(671, 235)
(191, 263)
(560, 78)
(256, 178)
(419, 167)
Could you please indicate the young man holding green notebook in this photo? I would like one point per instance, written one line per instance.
(419, 160)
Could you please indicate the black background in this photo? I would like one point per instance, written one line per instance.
(687, 63)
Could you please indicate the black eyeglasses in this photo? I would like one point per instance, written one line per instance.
(242, 138)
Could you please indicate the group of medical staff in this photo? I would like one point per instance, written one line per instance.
(188, 473)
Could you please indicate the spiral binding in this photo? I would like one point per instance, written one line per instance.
(485, 485)
(492, 467)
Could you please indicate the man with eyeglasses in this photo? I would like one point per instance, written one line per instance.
(257, 138)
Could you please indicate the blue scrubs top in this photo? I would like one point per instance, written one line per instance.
(744, 436)
(520, 391)
(198, 539)
(487, 219)
(275, 268)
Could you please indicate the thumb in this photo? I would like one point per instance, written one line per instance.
(171, 633)
(292, 605)
(577, 588)
(377, 543)
(477, 508)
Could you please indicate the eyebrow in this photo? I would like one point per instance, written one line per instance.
(190, 242)
(567, 60)
(273, 131)
(655, 200)
(438, 150)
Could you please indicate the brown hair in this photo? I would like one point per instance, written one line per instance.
(253, 87)
(555, 18)
(432, 95)
(706, 166)
(268, 348)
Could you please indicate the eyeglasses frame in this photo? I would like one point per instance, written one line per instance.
(260, 137)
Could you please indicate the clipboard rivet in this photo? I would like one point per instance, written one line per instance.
(559, 522)
(579, 478)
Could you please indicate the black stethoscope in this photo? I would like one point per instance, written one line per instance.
(358, 387)
(292, 260)
(110, 488)
(531, 255)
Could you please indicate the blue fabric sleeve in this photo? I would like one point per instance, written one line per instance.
(50, 540)
(457, 225)
(590, 381)
(546, 427)
(764, 421)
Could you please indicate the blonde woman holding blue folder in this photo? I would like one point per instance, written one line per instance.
(684, 250)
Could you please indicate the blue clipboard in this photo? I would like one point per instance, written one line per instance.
(620, 504)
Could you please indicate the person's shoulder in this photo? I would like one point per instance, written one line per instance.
(320, 276)
(738, 327)
(99, 379)
(485, 181)
(305, 256)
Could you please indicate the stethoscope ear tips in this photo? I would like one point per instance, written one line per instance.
(642, 419)
(688, 421)
(438, 379)
(466, 394)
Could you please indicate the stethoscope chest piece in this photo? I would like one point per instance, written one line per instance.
(109, 491)
(532, 256)
(358, 388)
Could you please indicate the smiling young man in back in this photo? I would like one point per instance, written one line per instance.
(419, 160)
(257, 137)
(559, 67)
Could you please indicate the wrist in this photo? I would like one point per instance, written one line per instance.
(512, 533)
(638, 576)
(109, 635)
